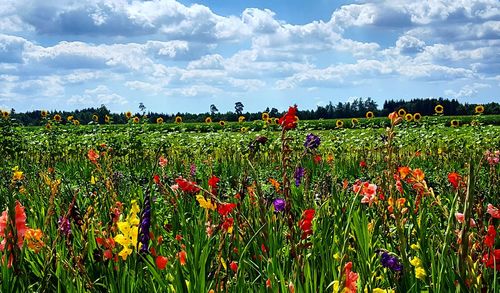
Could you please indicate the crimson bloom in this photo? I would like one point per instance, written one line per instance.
(489, 240)
(305, 224)
(288, 121)
(213, 181)
(161, 262)
(234, 266)
(225, 208)
(350, 278)
(187, 186)
(493, 211)
(492, 260)
(182, 257)
(454, 178)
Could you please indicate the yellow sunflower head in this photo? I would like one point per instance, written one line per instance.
(43, 113)
(95, 118)
(222, 123)
(265, 116)
(107, 119)
(241, 119)
(479, 109)
(439, 109)
(5, 114)
(402, 112)
(208, 120)
(354, 121)
(128, 114)
(409, 117)
(57, 118)
(178, 119)
(159, 120)
(454, 123)
(417, 117)
(369, 115)
(339, 123)
(244, 129)
(70, 118)
(136, 119)
(76, 122)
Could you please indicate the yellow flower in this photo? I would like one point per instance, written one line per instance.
(128, 115)
(265, 116)
(136, 119)
(222, 123)
(17, 175)
(369, 114)
(409, 117)
(129, 231)
(57, 118)
(244, 129)
(205, 203)
(479, 109)
(379, 290)
(402, 112)
(415, 246)
(43, 113)
(107, 119)
(5, 114)
(420, 273)
(339, 123)
(241, 119)
(208, 120)
(354, 121)
(76, 122)
(178, 119)
(159, 120)
(95, 118)
(439, 109)
(416, 262)
(417, 117)
(454, 123)
(70, 118)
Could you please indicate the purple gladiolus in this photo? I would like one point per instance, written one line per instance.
(299, 173)
(279, 205)
(64, 226)
(391, 262)
(145, 224)
(312, 141)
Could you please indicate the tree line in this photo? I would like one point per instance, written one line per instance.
(352, 109)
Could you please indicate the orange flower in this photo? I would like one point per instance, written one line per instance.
(161, 262)
(275, 183)
(33, 239)
(93, 156)
(403, 172)
(418, 174)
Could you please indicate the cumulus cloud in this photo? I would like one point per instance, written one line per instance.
(467, 91)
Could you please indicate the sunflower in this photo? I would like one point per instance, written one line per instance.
(5, 114)
(277, 120)
(479, 109)
(43, 113)
(95, 118)
(339, 123)
(76, 122)
(244, 129)
(354, 121)
(454, 123)
(178, 119)
(128, 114)
(402, 112)
(48, 125)
(136, 119)
(241, 119)
(222, 123)
(57, 118)
(269, 120)
(70, 118)
(159, 120)
(208, 120)
(439, 109)
(369, 115)
(417, 117)
(409, 117)
(107, 119)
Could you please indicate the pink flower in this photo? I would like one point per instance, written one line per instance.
(460, 218)
(162, 162)
(493, 211)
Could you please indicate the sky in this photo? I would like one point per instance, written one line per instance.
(183, 56)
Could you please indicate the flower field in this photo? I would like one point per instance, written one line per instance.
(387, 205)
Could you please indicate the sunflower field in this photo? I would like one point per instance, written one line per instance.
(388, 204)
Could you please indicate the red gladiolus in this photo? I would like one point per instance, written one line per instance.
(234, 266)
(228, 225)
(213, 181)
(317, 159)
(305, 224)
(162, 162)
(454, 179)
(404, 171)
(492, 260)
(93, 156)
(182, 257)
(350, 278)
(362, 164)
(268, 283)
(161, 262)
(187, 186)
(489, 240)
(156, 179)
(493, 211)
(288, 121)
(225, 208)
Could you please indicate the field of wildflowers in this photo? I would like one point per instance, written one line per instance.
(408, 207)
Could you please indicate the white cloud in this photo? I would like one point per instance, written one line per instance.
(467, 91)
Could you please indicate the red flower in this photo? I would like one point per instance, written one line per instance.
(305, 224)
(489, 240)
(187, 186)
(288, 121)
(317, 159)
(350, 278)
(493, 211)
(182, 257)
(156, 179)
(178, 237)
(212, 182)
(93, 156)
(228, 225)
(492, 260)
(454, 179)
(362, 164)
(234, 266)
(161, 262)
(268, 283)
(225, 208)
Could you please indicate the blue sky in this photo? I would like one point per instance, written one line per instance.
(183, 56)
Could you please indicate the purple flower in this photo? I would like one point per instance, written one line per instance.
(279, 205)
(145, 224)
(312, 141)
(299, 173)
(64, 226)
(192, 170)
(391, 262)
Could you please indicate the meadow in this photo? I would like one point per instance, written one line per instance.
(382, 204)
